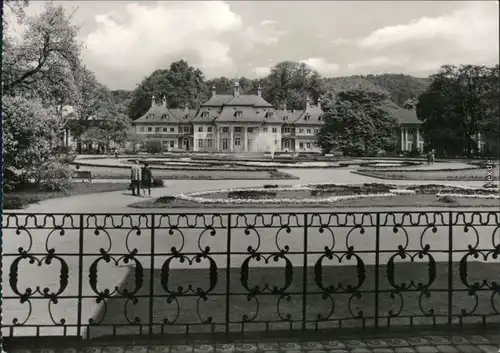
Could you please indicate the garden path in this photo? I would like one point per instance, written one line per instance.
(117, 201)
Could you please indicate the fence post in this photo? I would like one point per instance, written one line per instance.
(151, 275)
(304, 277)
(228, 271)
(377, 267)
(80, 277)
(450, 268)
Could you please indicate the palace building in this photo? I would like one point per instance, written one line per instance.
(245, 123)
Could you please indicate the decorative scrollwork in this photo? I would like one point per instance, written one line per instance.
(293, 269)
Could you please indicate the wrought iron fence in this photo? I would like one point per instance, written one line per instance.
(95, 274)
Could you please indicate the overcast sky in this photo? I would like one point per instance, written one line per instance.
(126, 41)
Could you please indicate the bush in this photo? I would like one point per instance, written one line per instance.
(251, 194)
(271, 186)
(54, 176)
(154, 146)
(165, 200)
(157, 182)
(414, 154)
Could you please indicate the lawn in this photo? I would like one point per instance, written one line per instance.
(264, 307)
(123, 173)
(21, 199)
(457, 174)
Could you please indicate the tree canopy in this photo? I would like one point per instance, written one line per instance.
(358, 122)
(459, 103)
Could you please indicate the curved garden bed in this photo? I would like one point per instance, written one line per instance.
(328, 195)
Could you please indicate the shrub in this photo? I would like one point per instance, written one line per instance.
(54, 176)
(165, 200)
(154, 146)
(250, 194)
(447, 199)
(157, 182)
(414, 154)
(271, 186)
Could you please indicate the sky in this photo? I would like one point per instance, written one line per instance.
(125, 41)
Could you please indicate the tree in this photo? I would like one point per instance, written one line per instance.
(42, 65)
(358, 123)
(182, 85)
(30, 138)
(291, 83)
(459, 103)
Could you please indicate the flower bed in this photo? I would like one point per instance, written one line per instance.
(328, 193)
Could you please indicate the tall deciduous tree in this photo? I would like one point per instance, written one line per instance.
(182, 85)
(42, 64)
(458, 104)
(358, 123)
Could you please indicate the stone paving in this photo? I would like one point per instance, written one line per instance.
(413, 343)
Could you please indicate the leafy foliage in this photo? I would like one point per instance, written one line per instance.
(358, 123)
(459, 103)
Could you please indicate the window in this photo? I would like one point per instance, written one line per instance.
(285, 118)
(186, 129)
(141, 129)
(316, 131)
(151, 116)
(200, 143)
(265, 129)
(285, 130)
(204, 114)
(276, 143)
(172, 129)
(301, 131)
(164, 116)
(250, 130)
(308, 131)
(237, 129)
(269, 114)
(210, 143)
(150, 129)
(238, 113)
(171, 144)
(165, 129)
(225, 129)
(301, 145)
(200, 129)
(308, 145)
(249, 142)
(237, 141)
(224, 144)
(275, 130)
(157, 129)
(209, 129)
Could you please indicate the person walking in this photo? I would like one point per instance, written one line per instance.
(146, 179)
(429, 157)
(135, 178)
(433, 156)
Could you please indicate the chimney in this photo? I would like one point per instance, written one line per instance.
(259, 91)
(164, 101)
(213, 91)
(236, 89)
(319, 103)
(153, 101)
(308, 103)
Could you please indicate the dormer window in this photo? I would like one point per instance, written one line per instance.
(269, 114)
(320, 118)
(238, 113)
(285, 118)
(151, 116)
(204, 114)
(164, 116)
(307, 117)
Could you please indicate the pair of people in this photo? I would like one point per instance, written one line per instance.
(141, 178)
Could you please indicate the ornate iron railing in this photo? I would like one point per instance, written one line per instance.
(96, 274)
